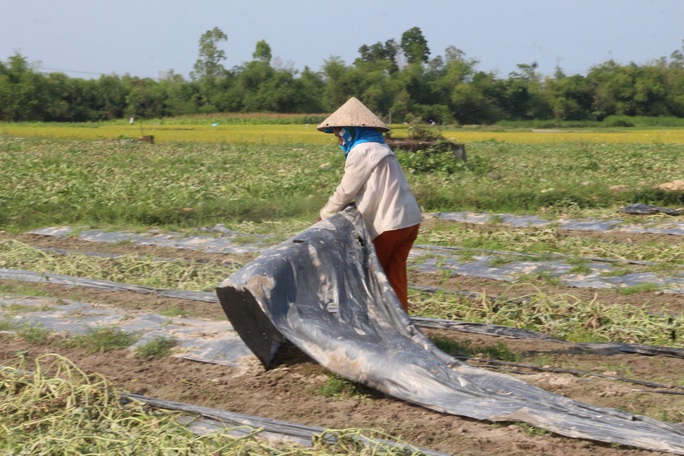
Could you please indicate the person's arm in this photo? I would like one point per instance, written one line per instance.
(356, 173)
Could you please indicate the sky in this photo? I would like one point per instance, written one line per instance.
(148, 38)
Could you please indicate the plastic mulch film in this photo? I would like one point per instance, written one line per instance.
(285, 294)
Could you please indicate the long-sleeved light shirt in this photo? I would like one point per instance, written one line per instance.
(373, 178)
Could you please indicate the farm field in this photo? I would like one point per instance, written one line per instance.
(262, 188)
(250, 133)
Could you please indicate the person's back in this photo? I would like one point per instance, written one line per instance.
(375, 181)
(385, 200)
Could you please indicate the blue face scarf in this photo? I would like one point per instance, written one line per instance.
(351, 136)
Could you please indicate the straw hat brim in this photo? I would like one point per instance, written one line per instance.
(352, 114)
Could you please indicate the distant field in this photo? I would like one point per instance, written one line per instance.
(195, 174)
(232, 133)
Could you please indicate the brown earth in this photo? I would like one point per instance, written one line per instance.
(290, 391)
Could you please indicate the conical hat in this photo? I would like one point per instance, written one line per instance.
(352, 114)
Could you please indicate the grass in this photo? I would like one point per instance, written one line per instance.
(640, 288)
(157, 347)
(579, 265)
(32, 333)
(23, 289)
(539, 277)
(271, 180)
(337, 387)
(174, 311)
(499, 351)
(102, 339)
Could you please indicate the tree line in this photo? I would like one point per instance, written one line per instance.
(399, 80)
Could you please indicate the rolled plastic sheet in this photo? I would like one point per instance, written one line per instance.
(287, 294)
(647, 209)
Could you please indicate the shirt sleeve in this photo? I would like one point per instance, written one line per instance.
(356, 173)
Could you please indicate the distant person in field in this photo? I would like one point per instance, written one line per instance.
(375, 181)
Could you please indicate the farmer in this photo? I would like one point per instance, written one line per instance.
(374, 180)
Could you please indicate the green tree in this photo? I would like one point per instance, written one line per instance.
(208, 69)
(418, 82)
(209, 63)
(229, 94)
(677, 58)
(675, 77)
(311, 91)
(523, 98)
(615, 89)
(146, 99)
(372, 83)
(451, 85)
(569, 97)
(58, 109)
(23, 93)
(83, 98)
(338, 83)
(271, 93)
(112, 94)
(381, 53)
(262, 52)
(651, 90)
(415, 46)
(181, 95)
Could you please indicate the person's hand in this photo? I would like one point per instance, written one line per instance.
(318, 219)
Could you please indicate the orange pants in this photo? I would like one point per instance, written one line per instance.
(392, 248)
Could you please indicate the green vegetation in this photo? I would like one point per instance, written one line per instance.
(641, 288)
(497, 352)
(563, 316)
(134, 269)
(157, 347)
(337, 387)
(539, 277)
(23, 289)
(273, 191)
(174, 312)
(48, 182)
(544, 243)
(53, 407)
(102, 339)
(32, 333)
(447, 89)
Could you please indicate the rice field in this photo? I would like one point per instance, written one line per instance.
(307, 133)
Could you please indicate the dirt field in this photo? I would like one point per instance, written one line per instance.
(289, 392)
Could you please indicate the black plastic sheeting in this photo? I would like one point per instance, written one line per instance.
(286, 293)
(430, 259)
(241, 425)
(646, 209)
(79, 318)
